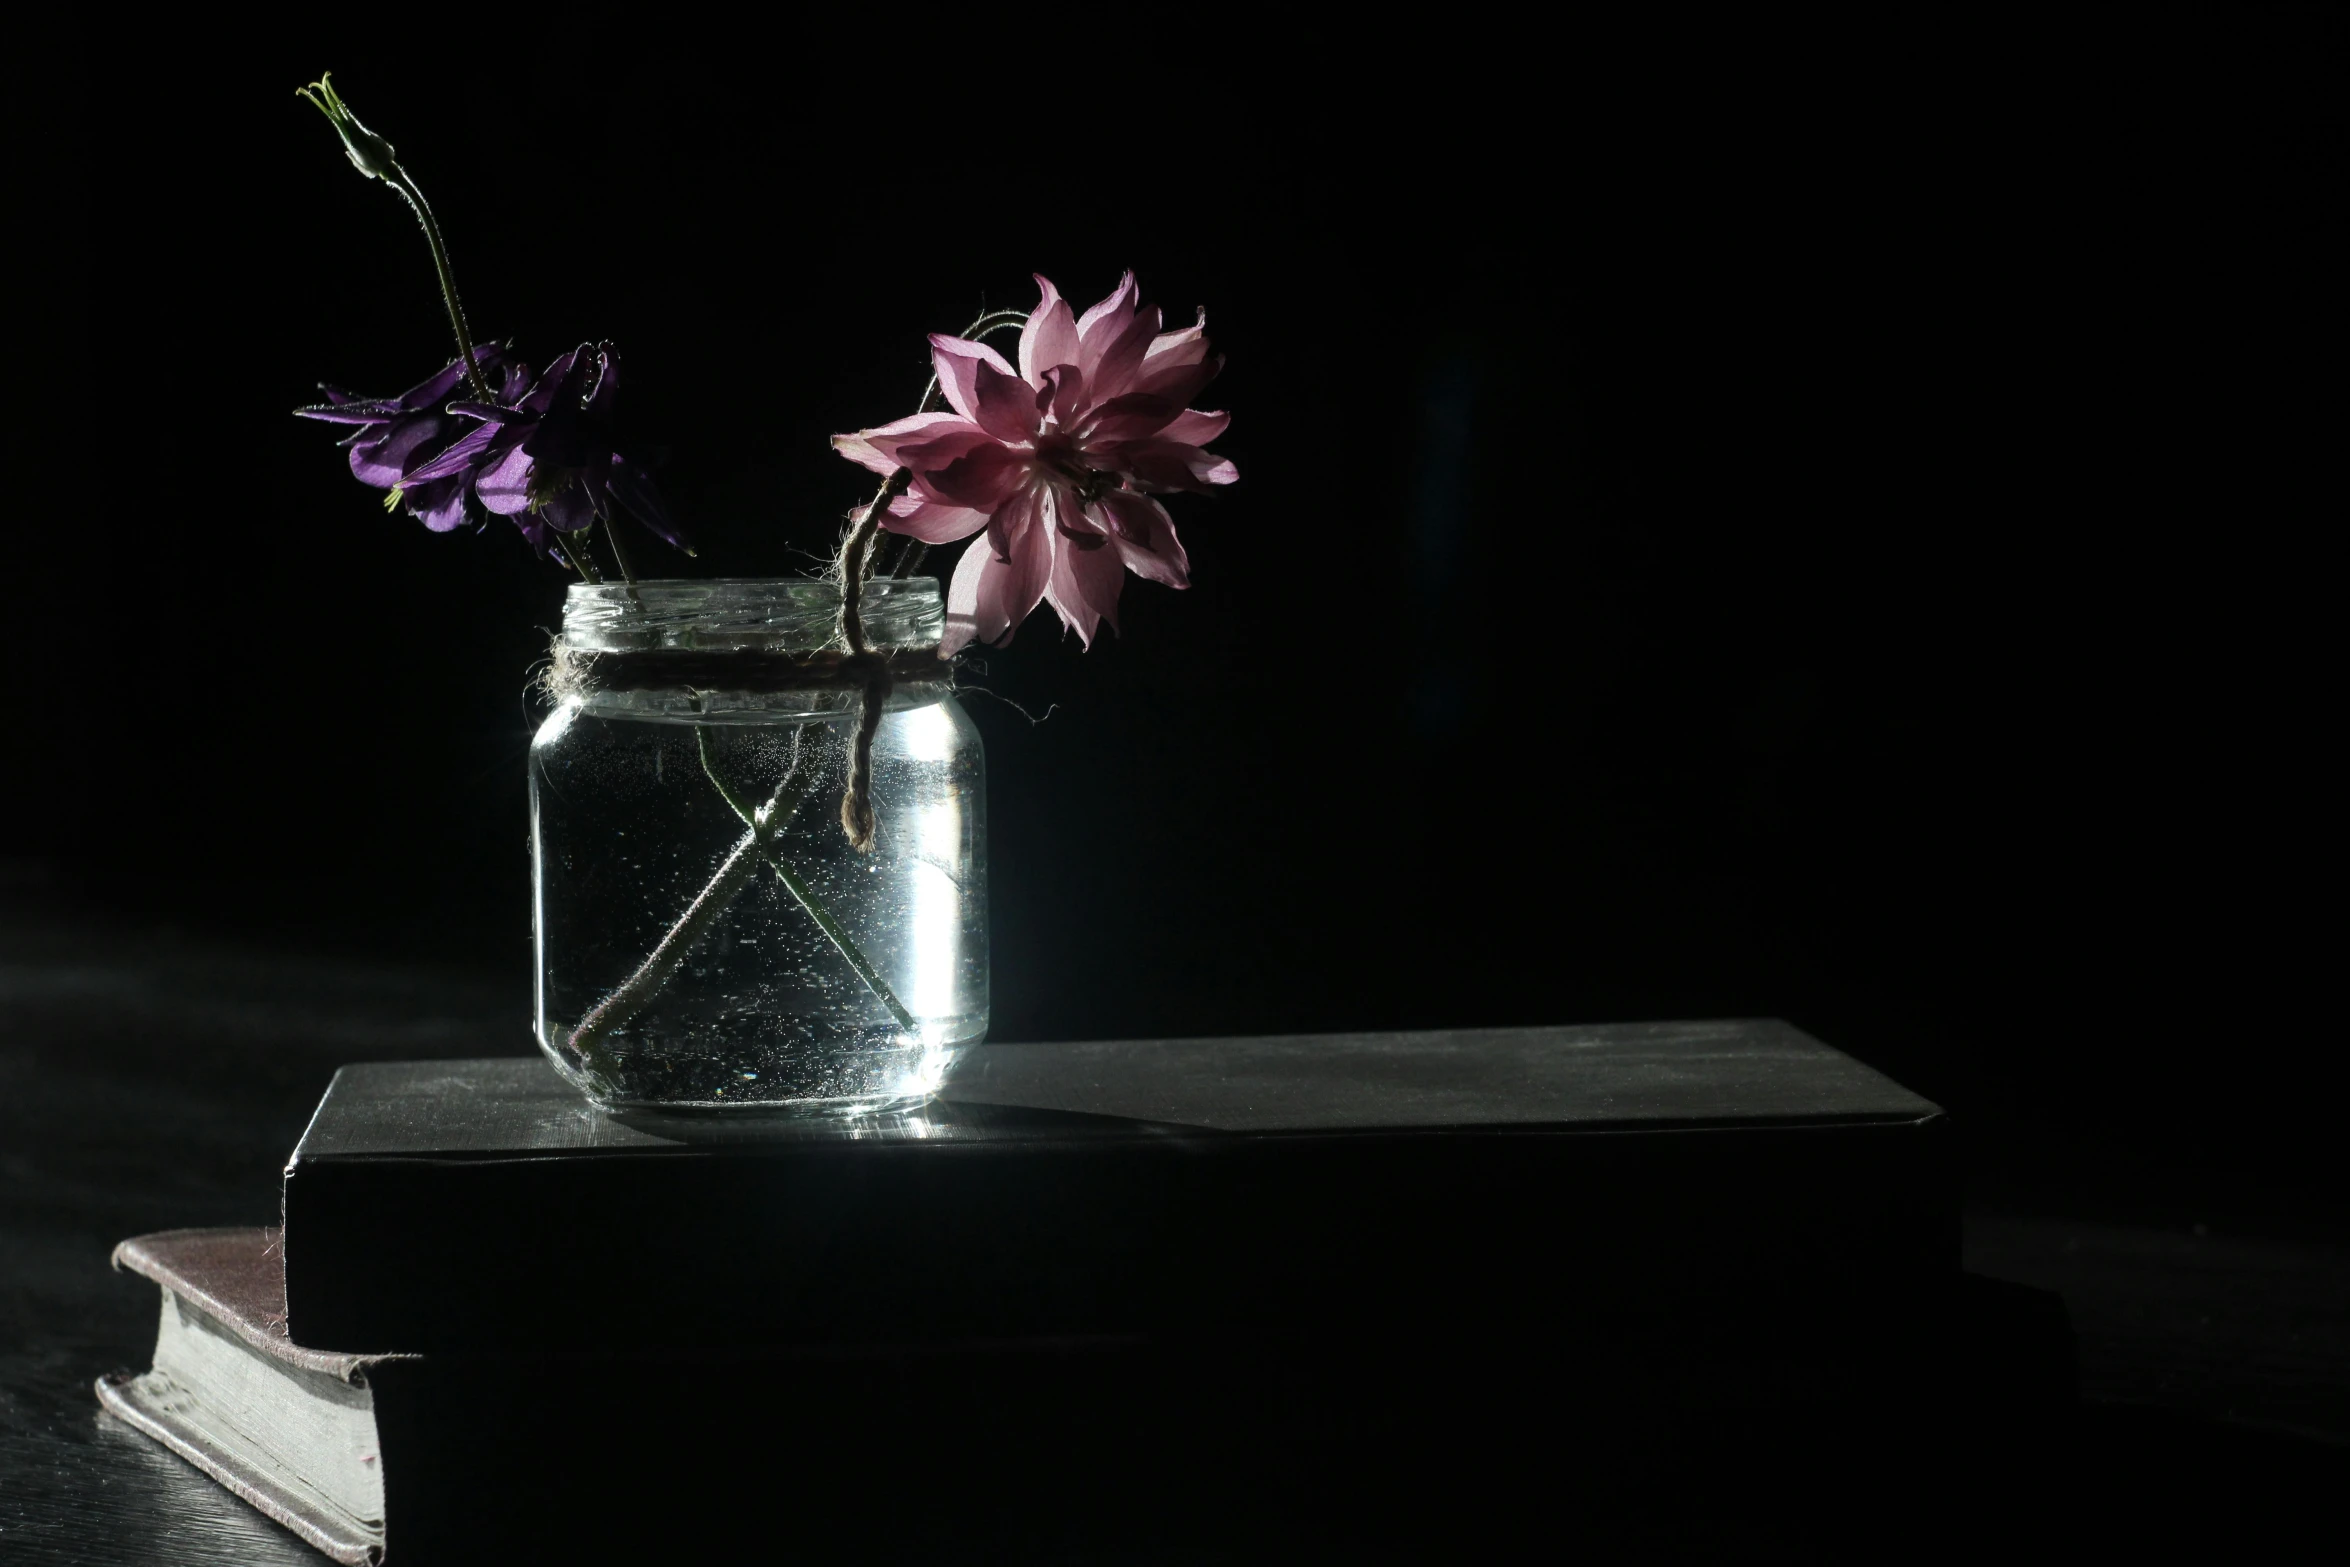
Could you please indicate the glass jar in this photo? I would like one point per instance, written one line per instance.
(707, 935)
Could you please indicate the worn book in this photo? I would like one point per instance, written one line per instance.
(1712, 1177)
(1276, 1448)
(290, 1430)
(626, 1454)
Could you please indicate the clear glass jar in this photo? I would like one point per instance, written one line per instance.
(686, 960)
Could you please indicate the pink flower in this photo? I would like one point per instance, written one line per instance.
(1058, 460)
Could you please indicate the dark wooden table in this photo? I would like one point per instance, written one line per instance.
(149, 1081)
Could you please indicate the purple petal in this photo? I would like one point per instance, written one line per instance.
(568, 510)
(386, 460)
(567, 437)
(476, 446)
(351, 412)
(492, 413)
(529, 526)
(598, 402)
(435, 391)
(561, 378)
(439, 505)
(633, 487)
(504, 486)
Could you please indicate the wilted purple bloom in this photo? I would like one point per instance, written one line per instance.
(545, 458)
(398, 435)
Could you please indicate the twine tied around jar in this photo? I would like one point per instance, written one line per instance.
(856, 802)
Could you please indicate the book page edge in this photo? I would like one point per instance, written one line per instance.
(118, 1392)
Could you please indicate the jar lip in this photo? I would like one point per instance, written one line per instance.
(791, 587)
(745, 614)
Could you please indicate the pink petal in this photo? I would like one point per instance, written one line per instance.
(1187, 347)
(881, 449)
(1083, 587)
(1067, 384)
(1129, 418)
(1165, 465)
(932, 522)
(1122, 356)
(1178, 383)
(1003, 404)
(963, 591)
(1072, 517)
(956, 360)
(1194, 428)
(984, 478)
(925, 456)
(1011, 523)
(1103, 322)
(988, 597)
(1144, 538)
(1049, 338)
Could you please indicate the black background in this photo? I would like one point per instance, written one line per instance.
(1809, 519)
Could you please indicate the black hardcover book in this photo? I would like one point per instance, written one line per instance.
(1084, 1451)
(1711, 1186)
(1462, 1445)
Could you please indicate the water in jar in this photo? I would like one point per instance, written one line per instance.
(813, 976)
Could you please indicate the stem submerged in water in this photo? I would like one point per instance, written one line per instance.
(789, 874)
(616, 1009)
(766, 824)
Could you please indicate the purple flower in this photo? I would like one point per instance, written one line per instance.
(545, 457)
(396, 436)
(1059, 460)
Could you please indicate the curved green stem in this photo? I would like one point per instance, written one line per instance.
(400, 181)
(620, 558)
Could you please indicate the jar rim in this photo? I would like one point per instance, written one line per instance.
(745, 614)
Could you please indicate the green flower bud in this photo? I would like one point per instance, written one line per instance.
(370, 154)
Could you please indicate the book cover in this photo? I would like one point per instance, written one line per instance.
(1373, 1185)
